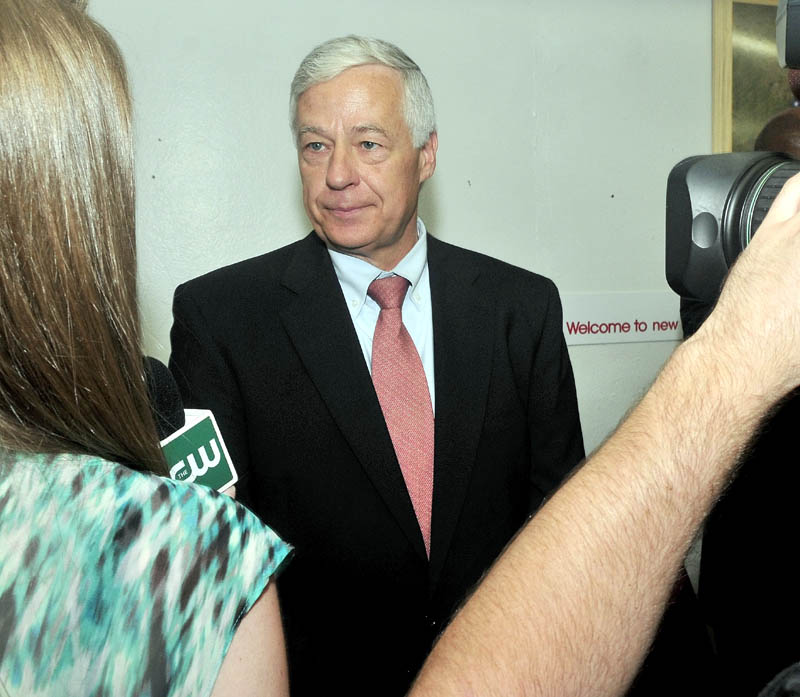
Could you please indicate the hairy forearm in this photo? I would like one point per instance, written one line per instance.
(572, 605)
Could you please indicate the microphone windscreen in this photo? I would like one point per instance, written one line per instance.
(165, 398)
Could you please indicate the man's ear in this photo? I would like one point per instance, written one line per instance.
(427, 157)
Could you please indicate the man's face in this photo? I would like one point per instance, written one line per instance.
(361, 174)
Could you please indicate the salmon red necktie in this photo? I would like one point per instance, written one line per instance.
(402, 389)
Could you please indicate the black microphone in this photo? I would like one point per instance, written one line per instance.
(190, 438)
(165, 398)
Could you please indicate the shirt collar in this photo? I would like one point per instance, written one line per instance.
(355, 274)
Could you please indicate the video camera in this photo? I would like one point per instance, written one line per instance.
(715, 203)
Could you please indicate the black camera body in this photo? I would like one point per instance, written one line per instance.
(715, 203)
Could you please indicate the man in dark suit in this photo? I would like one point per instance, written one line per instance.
(281, 348)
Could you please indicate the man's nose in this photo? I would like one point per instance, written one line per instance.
(342, 169)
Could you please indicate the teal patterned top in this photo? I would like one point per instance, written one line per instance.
(117, 583)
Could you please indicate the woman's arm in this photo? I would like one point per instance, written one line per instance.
(255, 665)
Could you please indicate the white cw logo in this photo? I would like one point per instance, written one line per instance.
(189, 471)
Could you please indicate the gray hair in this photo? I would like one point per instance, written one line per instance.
(335, 56)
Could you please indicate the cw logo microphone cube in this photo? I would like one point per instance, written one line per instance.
(197, 453)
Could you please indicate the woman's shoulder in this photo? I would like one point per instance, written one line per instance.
(119, 551)
(117, 497)
(185, 519)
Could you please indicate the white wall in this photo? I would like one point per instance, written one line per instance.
(558, 124)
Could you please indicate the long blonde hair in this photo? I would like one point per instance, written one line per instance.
(71, 371)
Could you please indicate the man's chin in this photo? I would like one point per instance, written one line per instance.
(353, 250)
(347, 239)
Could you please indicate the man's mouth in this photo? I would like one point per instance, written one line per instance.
(345, 211)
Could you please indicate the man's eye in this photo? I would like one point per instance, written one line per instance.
(315, 147)
(369, 145)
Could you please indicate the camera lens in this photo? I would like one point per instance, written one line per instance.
(750, 200)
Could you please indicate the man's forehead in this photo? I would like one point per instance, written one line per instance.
(373, 77)
(367, 97)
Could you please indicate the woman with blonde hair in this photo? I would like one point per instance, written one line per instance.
(112, 581)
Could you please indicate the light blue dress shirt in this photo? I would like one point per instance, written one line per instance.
(355, 275)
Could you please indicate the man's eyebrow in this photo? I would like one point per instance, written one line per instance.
(361, 129)
(310, 129)
(370, 128)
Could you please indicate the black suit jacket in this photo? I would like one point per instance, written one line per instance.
(269, 346)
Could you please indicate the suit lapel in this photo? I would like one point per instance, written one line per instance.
(317, 321)
(462, 344)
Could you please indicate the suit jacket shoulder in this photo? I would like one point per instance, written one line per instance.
(528, 298)
(250, 276)
(492, 272)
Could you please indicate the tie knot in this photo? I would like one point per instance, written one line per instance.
(388, 292)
